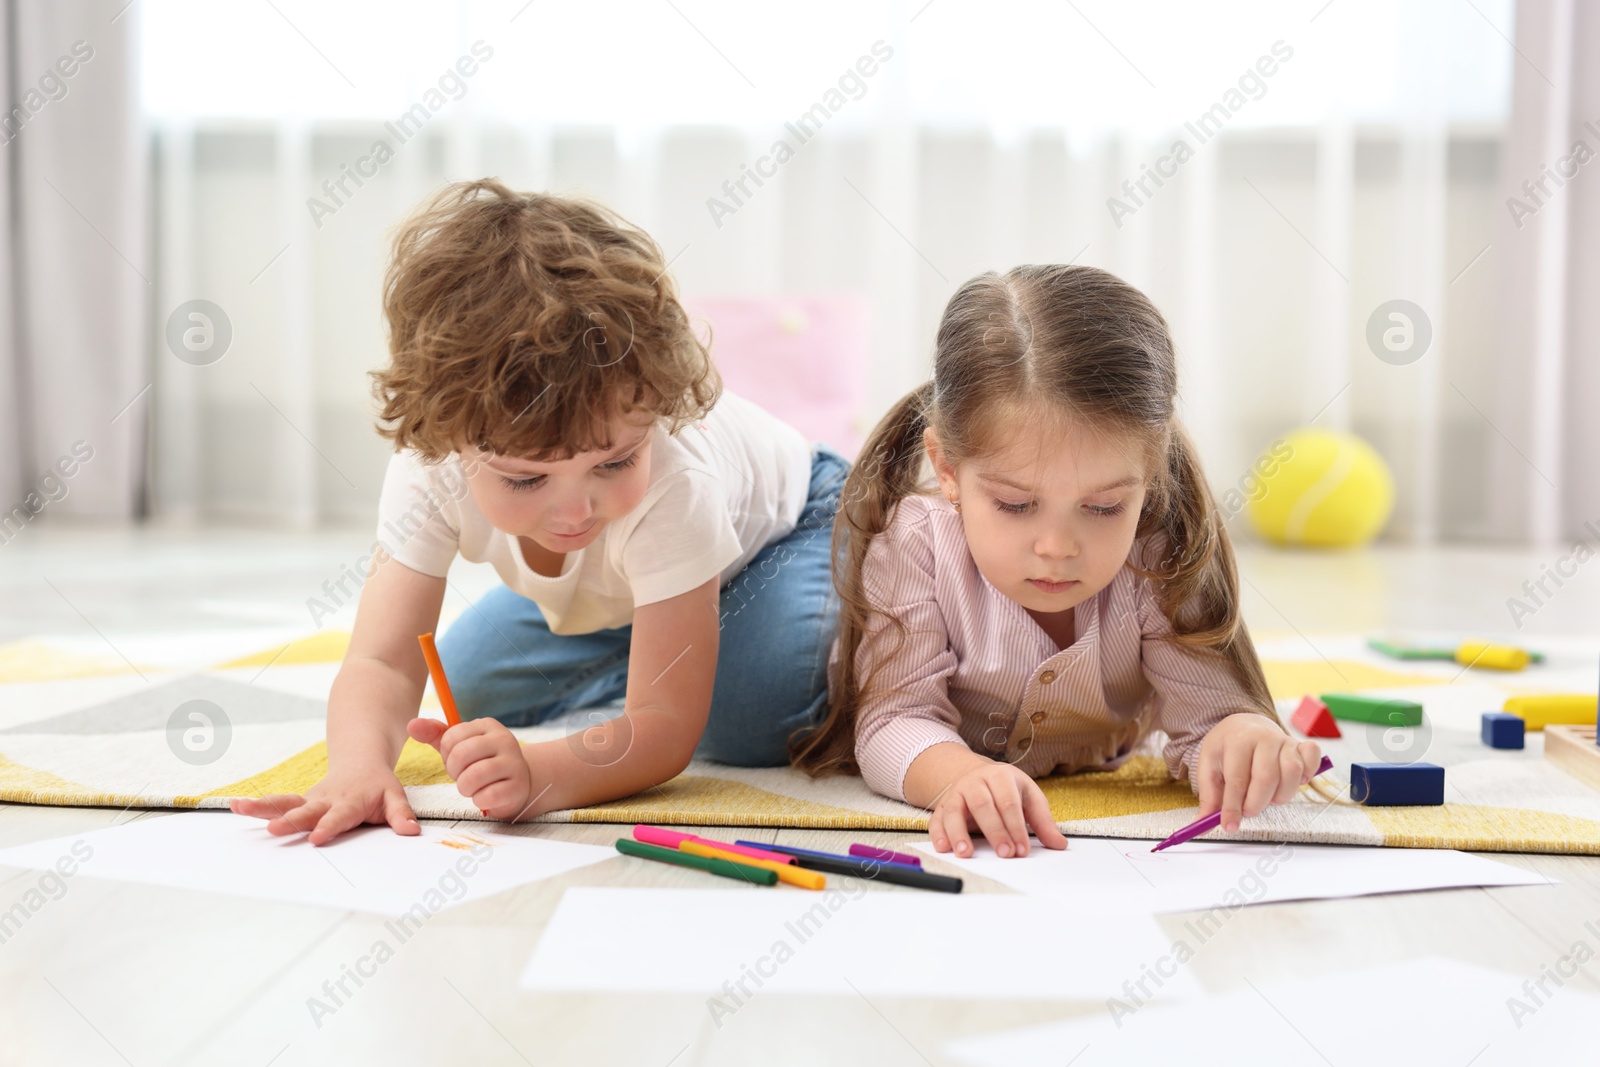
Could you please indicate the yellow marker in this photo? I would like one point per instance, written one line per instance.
(1539, 712)
(786, 872)
(1493, 657)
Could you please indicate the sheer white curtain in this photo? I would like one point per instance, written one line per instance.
(1338, 157)
(1548, 382)
(75, 268)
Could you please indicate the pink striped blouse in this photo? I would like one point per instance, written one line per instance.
(974, 667)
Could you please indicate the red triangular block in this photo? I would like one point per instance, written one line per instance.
(1313, 719)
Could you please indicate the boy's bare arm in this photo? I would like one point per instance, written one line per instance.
(374, 695)
(672, 666)
(379, 686)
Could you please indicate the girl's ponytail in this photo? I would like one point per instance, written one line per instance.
(887, 472)
(1197, 585)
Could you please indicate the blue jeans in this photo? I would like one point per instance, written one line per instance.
(772, 665)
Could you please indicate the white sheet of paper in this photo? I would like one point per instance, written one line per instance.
(1429, 1010)
(840, 940)
(1110, 873)
(371, 869)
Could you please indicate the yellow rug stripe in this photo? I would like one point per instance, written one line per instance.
(327, 646)
(1138, 787)
(36, 661)
(419, 765)
(1291, 679)
(693, 800)
(1473, 827)
(30, 785)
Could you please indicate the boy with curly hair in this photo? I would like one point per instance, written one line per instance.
(659, 539)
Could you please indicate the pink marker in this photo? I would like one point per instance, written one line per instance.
(655, 835)
(1207, 823)
(872, 853)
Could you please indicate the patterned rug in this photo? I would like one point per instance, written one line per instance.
(182, 731)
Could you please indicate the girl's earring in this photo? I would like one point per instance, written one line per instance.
(957, 505)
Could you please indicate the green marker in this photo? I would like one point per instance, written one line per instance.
(1406, 650)
(1385, 711)
(755, 875)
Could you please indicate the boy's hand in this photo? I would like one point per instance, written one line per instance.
(334, 805)
(999, 800)
(486, 762)
(1247, 761)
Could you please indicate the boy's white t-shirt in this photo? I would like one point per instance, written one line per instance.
(720, 491)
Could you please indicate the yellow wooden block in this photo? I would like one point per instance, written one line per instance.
(1492, 657)
(1566, 710)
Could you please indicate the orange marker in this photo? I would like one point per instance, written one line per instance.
(441, 685)
(786, 873)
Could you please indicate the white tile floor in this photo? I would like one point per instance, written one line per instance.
(123, 974)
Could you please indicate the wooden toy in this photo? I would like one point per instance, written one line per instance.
(1565, 710)
(1396, 784)
(1573, 749)
(1385, 711)
(1313, 718)
(1501, 729)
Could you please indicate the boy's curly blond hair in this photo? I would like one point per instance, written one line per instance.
(523, 323)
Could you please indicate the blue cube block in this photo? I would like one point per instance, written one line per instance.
(1501, 729)
(1389, 785)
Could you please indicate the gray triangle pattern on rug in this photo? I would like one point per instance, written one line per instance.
(151, 708)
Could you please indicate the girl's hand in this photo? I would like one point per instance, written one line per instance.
(1000, 801)
(339, 802)
(1247, 761)
(485, 760)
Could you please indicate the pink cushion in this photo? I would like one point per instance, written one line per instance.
(803, 358)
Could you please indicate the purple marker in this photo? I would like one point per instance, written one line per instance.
(873, 853)
(1211, 822)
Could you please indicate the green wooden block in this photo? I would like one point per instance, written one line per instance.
(1385, 711)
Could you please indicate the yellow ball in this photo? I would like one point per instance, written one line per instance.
(1321, 488)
